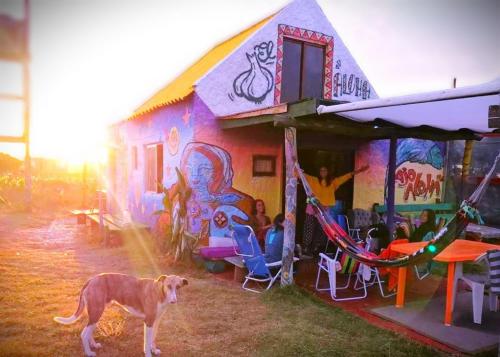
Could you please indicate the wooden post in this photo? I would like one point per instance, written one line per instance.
(84, 185)
(290, 206)
(101, 212)
(391, 181)
(27, 102)
(466, 161)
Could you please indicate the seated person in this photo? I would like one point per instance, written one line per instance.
(381, 232)
(426, 228)
(260, 222)
(274, 240)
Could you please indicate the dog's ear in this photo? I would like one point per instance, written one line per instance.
(161, 278)
(184, 282)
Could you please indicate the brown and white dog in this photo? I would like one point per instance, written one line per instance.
(143, 298)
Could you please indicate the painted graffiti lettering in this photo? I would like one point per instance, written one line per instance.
(417, 185)
(255, 83)
(350, 85)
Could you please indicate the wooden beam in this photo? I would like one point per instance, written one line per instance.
(12, 139)
(346, 127)
(303, 108)
(277, 109)
(290, 206)
(27, 107)
(6, 96)
(391, 184)
(239, 123)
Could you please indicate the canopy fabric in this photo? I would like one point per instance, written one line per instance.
(451, 109)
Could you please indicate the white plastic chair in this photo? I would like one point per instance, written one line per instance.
(365, 276)
(370, 276)
(353, 232)
(478, 283)
(330, 266)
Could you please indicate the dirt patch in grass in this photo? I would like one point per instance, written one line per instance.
(45, 261)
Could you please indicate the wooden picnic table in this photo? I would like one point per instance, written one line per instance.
(458, 252)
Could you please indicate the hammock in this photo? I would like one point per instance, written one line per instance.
(441, 240)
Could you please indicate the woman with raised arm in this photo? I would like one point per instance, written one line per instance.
(324, 186)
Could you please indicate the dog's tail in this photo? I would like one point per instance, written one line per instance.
(78, 313)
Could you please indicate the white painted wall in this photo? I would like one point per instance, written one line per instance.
(216, 87)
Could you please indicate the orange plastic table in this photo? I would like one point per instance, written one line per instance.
(456, 253)
(404, 248)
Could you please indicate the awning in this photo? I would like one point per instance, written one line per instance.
(451, 110)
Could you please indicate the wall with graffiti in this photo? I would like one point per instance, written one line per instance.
(241, 145)
(172, 127)
(250, 78)
(419, 173)
(216, 165)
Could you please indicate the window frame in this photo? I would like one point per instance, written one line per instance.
(135, 157)
(303, 45)
(157, 166)
(311, 37)
(271, 158)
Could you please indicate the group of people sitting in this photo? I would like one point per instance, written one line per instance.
(270, 234)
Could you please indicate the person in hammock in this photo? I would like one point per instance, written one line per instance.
(324, 186)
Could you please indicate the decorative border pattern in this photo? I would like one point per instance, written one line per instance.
(307, 36)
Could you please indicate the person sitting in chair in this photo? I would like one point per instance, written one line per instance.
(260, 222)
(424, 231)
(274, 240)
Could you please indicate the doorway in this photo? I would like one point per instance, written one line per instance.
(336, 156)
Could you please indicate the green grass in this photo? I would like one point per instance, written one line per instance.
(44, 262)
(306, 326)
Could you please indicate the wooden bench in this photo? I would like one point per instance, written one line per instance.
(239, 268)
(113, 225)
(81, 215)
(442, 210)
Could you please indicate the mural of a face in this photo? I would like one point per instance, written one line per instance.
(209, 174)
(199, 174)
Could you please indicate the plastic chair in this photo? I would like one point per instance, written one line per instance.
(481, 282)
(249, 249)
(365, 276)
(330, 266)
(353, 232)
(369, 276)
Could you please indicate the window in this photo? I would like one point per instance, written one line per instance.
(264, 165)
(134, 157)
(154, 167)
(302, 73)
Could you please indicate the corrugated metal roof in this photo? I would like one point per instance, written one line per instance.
(183, 85)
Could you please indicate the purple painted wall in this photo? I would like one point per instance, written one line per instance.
(171, 126)
(217, 165)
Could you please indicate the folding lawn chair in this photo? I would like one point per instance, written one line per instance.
(258, 270)
(366, 276)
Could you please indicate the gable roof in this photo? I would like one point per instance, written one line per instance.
(183, 85)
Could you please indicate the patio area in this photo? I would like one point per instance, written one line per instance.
(421, 319)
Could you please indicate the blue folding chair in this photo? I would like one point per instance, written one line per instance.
(250, 252)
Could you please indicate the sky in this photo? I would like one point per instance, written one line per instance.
(95, 61)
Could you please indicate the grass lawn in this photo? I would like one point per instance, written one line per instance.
(44, 262)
